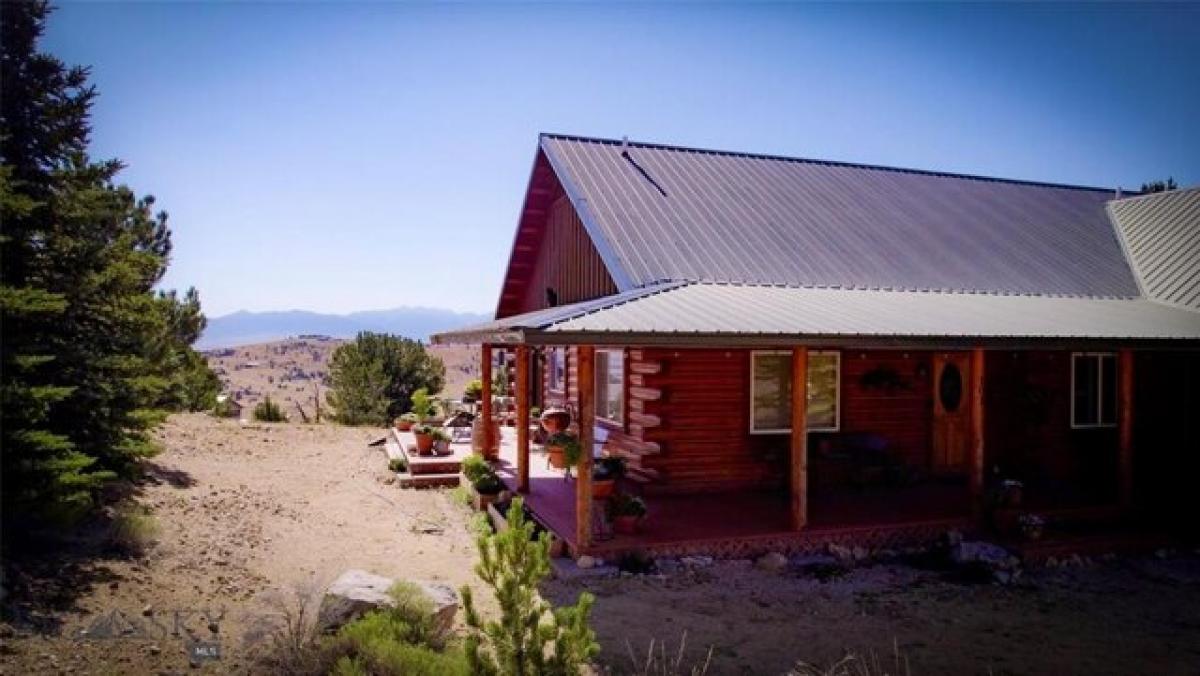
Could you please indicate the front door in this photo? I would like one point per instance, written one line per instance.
(951, 411)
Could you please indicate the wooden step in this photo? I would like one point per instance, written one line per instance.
(445, 480)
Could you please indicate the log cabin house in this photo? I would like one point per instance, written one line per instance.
(791, 352)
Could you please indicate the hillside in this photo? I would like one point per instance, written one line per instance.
(245, 328)
(294, 371)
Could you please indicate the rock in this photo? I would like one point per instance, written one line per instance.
(585, 562)
(696, 561)
(355, 592)
(154, 649)
(773, 562)
(983, 552)
(841, 553)
(147, 611)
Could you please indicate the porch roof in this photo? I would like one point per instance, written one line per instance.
(729, 315)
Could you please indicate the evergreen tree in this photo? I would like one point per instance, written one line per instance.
(92, 356)
(530, 638)
(372, 379)
(1160, 186)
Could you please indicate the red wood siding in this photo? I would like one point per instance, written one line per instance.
(901, 412)
(1029, 434)
(564, 260)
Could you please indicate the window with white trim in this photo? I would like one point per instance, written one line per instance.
(556, 368)
(771, 391)
(1093, 389)
(610, 385)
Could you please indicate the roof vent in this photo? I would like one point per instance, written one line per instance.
(1118, 192)
(624, 144)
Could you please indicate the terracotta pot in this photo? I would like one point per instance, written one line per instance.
(477, 439)
(556, 457)
(626, 525)
(424, 443)
(404, 425)
(1005, 521)
(602, 488)
(1013, 496)
(555, 420)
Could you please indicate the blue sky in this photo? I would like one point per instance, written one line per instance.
(340, 157)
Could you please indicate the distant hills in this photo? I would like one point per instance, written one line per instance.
(244, 328)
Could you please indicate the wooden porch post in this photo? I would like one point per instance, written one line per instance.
(1125, 426)
(485, 408)
(522, 418)
(798, 481)
(975, 457)
(583, 472)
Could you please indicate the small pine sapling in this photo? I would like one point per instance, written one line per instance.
(531, 638)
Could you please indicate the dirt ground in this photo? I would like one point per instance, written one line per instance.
(294, 372)
(250, 513)
(1116, 617)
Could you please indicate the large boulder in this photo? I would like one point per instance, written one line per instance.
(356, 592)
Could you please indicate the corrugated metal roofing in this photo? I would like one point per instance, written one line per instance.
(1161, 232)
(742, 310)
(667, 213)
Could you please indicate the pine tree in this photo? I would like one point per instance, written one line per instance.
(531, 638)
(92, 356)
(374, 377)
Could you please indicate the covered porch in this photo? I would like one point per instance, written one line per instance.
(712, 486)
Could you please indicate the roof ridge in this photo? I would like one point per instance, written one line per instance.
(669, 285)
(834, 163)
(1152, 195)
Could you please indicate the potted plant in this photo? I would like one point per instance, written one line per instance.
(563, 450)
(537, 433)
(473, 391)
(424, 436)
(555, 420)
(483, 480)
(422, 404)
(397, 465)
(441, 441)
(605, 474)
(625, 511)
(405, 422)
(1032, 526)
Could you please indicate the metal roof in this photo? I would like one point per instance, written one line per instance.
(661, 213)
(745, 314)
(1161, 233)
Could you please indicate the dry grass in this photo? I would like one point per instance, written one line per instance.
(854, 664)
(658, 663)
(133, 530)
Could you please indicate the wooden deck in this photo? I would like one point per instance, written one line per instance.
(743, 523)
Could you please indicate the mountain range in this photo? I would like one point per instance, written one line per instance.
(244, 328)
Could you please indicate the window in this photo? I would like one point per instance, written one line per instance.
(610, 385)
(771, 392)
(557, 369)
(1093, 389)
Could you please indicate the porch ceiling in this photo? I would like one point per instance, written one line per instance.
(728, 314)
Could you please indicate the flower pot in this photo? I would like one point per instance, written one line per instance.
(555, 455)
(424, 443)
(555, 420)
(1005, 521)
(602, 488)
(626, 524)
(404, 425)
(1013, 494)
(441, 447)
(477, 439)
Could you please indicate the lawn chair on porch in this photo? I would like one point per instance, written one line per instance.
(459, 426)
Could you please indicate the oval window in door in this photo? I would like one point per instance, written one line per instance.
(950, 388)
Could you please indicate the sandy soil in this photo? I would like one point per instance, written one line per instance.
(1117, 617)
(293, 371)
(248, 515)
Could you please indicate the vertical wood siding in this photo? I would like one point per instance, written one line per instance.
(566, 261)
